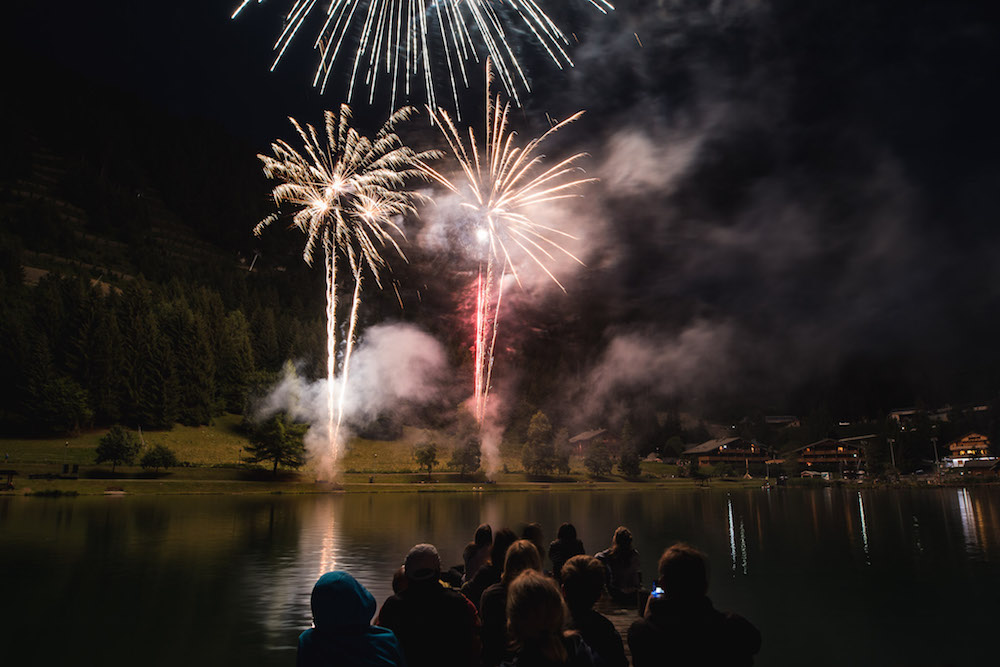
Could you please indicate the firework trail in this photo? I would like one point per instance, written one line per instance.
(347, 192)
(499, 183)
(396, 39)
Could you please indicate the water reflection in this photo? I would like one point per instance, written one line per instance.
(228, 579)
(732, 536)
(918, 548)
(970, 521)
(864, 528)
(733, 552)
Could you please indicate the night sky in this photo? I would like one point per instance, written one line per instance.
(799, 201)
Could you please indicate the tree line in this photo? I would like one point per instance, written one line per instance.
(78, 355)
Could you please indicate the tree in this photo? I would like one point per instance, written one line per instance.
(598, 461)
(278, 440)
(539, 453)
(629, 462)
(235, 362)
(466, 458)
(119, 446)
(159, 456)
(426, 457)
(674, 446)
(563, 450)
(628, 457)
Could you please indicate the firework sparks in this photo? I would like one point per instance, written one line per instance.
(500, 182)
(348, 193)
(397, 40)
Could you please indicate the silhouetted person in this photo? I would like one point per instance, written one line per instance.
(521, 556)
(436, 625)
(582, 584)
(536, 616)
(477, 552)
(564, 547)
(342, 609)
(533, 533)
(681, 627)
(489, 574)
(622, 563)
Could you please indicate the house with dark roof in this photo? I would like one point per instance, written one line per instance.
(726, 450)
(832, 455)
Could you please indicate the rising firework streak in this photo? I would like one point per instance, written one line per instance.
(396, 40)
(347, 190)
(500, 183)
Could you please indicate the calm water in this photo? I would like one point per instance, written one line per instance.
(831, 577)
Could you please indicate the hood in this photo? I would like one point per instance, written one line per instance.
(340, 602)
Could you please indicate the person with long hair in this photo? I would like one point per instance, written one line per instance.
(489, 573)
(477, 552)
(521, 556)
(535, 619)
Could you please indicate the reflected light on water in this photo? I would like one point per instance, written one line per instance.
(864, 528)
(744, 563)
(970, 521)
(743, 545)
(326, 522)
(732, 534)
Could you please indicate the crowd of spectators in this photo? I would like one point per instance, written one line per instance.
(501, 608)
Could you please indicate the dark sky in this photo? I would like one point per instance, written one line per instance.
(796, 198)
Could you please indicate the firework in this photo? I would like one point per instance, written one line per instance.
(348, 192)
(500, 183)
(395, 40)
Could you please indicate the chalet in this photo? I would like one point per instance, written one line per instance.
(586, 438)
(972, 449)
(728, 450)
(830, 454)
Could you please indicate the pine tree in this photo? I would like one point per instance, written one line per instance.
(278, 440)
(194, 364)
(539, 454)
(236, 362)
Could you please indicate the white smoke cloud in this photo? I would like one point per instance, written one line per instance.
(394, 367)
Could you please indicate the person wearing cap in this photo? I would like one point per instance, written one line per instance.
(435, 624)
(341, 635)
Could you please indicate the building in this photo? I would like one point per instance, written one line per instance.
(972, 449)
(586, 438)
(726, 450)
(830, 454)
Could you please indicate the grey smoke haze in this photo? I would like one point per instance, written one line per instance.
(767, 215)
(660, 366)
(754, 199)
(394, 367)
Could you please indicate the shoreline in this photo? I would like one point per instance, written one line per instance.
(162, 486)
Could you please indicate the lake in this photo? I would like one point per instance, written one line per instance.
(830, 576)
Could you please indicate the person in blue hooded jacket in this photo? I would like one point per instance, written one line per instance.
(342, 634)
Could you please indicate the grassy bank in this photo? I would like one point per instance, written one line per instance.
(214, 462)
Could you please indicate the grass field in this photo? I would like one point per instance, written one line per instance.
(213, 461)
